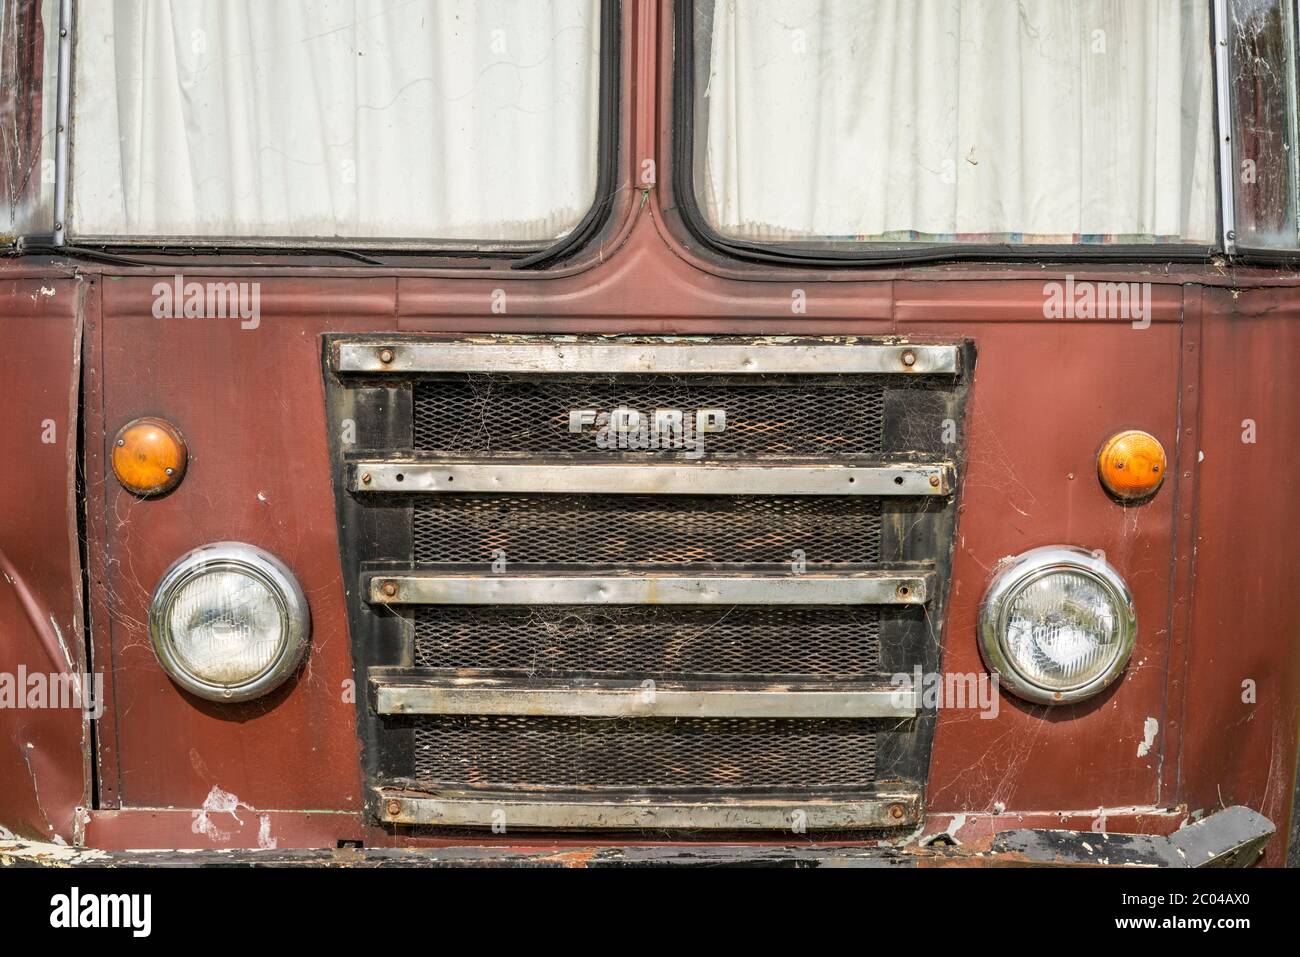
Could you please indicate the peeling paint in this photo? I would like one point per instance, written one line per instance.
(264, 839)
(956, 824)
(1150, 728)
(217, 802)
(47, 854)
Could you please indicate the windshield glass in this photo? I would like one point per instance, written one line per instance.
(829, 122)
(457, 120)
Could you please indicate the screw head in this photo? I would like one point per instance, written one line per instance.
(896, 811)
(934, 481)
(394, 808)
(909, 358)
(390, 589)
(365, 479)
(386, 356)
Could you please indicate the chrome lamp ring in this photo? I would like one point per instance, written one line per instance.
(263, 567)
(1019, 574)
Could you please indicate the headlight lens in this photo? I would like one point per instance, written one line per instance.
(229, 622)
(1057, 625)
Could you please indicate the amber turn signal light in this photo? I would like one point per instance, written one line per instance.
(149, 457)
(1131, 465)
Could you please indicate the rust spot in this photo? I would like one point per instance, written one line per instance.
(577, 858)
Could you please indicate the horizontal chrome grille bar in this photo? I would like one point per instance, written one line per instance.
(848, 588)
(616, 478)
(700, 357)
(601, 698)
(561, 812)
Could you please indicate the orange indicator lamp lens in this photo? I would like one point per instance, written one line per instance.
(1131, 465)
(149, 457)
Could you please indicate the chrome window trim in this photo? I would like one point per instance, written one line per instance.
(63, 110)
(1223, 127)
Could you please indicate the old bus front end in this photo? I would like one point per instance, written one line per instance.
(587, 431)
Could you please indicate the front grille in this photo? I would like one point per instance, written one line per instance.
(487, 414)
(646, 529)
(652, 639)
(476, 682)
(484, 751)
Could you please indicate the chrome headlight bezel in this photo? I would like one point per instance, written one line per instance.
(1023, 571)
(265, 568)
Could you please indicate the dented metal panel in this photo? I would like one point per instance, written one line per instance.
(47, 685)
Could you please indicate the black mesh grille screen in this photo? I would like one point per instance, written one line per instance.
(653, 639)
(722, 753)
(486, 414)
(631, 530)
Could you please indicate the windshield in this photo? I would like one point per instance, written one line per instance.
(456, 120)
(825, 122)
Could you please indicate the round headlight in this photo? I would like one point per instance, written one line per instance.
(229, 622)
(1057, 625)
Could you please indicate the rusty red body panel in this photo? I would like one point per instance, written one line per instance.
(43, 752)
(1209, 558)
